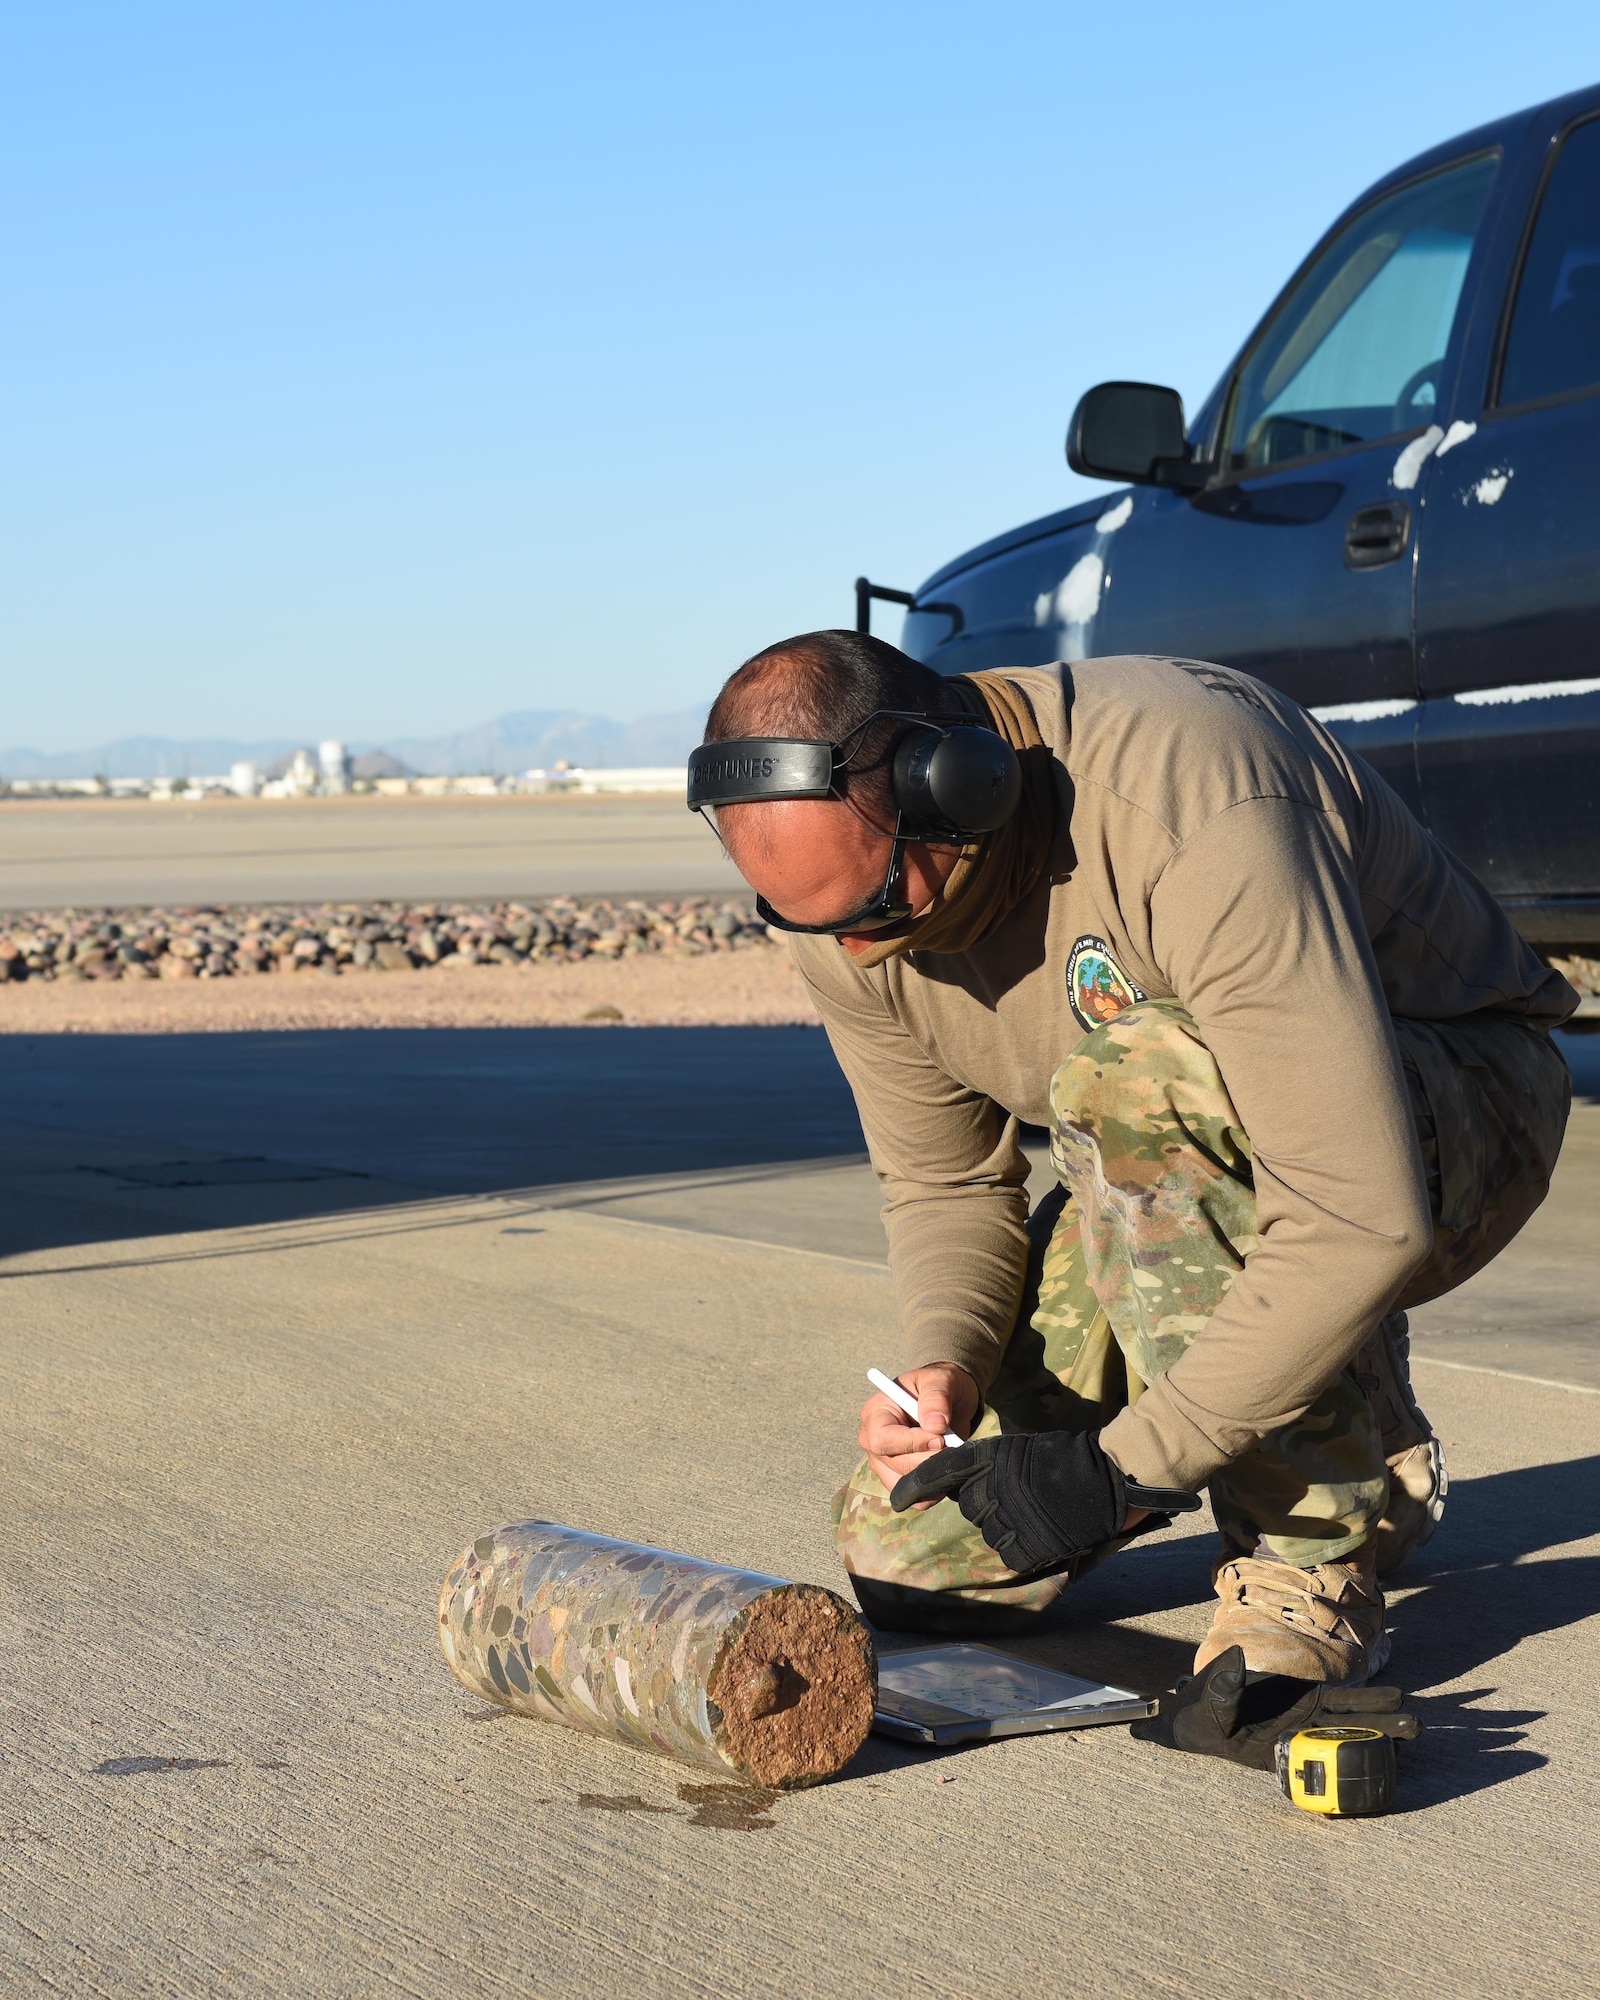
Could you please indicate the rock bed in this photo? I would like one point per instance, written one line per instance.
(1584, 974)
(234, 941)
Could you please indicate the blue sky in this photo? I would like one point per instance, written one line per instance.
(370, 370)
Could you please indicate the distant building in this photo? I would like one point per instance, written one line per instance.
(296, 776)
(335, 761)
(244, 780)
(672, 778)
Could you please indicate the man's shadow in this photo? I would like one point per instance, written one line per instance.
(1470, 1596)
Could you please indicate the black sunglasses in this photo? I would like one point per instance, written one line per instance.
(888, 906)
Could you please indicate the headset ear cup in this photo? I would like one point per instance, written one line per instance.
(913, 755)
(958, 780)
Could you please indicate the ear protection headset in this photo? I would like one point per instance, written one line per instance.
(951, 781)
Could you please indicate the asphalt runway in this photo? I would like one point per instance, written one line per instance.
(289, 1319)
(84, 853)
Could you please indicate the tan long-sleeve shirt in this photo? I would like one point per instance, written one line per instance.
(1215, 846)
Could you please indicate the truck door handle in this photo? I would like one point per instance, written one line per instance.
(1377, 535)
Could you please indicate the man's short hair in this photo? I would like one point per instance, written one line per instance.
(819, 686)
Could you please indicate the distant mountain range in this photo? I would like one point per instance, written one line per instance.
(529, 738)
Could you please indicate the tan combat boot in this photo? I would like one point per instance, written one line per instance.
(1322, 1624)
(1418, 1478)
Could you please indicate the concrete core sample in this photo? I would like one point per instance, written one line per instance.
(772, 1681)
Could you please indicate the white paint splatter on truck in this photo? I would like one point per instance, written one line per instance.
(1458, 433)
(1408, 466)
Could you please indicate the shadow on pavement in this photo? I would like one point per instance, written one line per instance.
(113, 1136)
(1583, 1059)
(1463, 1748)
(1471, 1598)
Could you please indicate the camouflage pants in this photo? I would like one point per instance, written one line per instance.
(1133, 1253)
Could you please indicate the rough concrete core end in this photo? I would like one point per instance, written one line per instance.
(796, 1680)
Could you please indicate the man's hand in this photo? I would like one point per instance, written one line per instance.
(1039, 1499)
(948, 1399)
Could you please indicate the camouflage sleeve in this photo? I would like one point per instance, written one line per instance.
(952, 1171)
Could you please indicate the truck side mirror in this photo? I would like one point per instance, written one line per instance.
(1133, 431)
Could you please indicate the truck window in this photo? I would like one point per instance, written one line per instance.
(1554, 344)
(1354, 352)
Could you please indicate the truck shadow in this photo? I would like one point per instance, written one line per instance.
(1582, 1052)
(112, 1137)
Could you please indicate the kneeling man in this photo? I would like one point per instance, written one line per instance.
(1297, 1072)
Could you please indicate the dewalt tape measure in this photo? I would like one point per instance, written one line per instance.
(1348, 1772)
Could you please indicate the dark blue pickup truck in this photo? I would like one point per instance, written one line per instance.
(1389, 507)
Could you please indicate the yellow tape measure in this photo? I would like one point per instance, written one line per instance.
(1349, 1772)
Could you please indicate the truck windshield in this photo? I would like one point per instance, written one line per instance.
(1354, 353)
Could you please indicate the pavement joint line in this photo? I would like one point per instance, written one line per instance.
(1505, 1374)
(717, 1236)
(579, 1194)
(263, 1245)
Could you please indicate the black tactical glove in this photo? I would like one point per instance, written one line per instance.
(1223, 1711)
(1039, 1499)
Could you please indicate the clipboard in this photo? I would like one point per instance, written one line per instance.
(962, 1692)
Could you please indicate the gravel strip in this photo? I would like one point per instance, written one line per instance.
(237, 942)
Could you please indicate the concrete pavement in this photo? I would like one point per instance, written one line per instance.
(86, 853)
(247, 1420)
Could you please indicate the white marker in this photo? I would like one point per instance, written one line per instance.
(905, 1399)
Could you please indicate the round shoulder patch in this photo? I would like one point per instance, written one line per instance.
(1097, 987)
